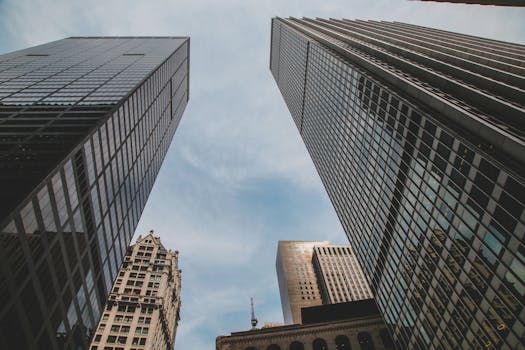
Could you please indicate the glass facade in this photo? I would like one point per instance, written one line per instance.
(427, 189)
(84, 126)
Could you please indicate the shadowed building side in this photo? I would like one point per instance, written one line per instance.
(483, 2)
(84, 126)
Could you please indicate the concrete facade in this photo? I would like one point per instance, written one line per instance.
(143, 307)
(339, 275)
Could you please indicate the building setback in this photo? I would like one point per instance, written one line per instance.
(314, 273)
(142, 311)
(418, 137)
(297, 279)
(339, 275)
(84, 126)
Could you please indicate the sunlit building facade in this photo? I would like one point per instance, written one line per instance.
(143, 308)
(339, 275)
(296, 276)
(84, 126)
(313, 273)
(418, 136)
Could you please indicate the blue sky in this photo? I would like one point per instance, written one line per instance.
(237, 177)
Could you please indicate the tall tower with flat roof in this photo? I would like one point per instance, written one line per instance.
(85, 124)
(418, 135)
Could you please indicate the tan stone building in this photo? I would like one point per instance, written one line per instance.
(313, 273)
(360, 329)
(142, 312)
(297, 279)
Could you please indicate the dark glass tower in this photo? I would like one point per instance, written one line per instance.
(84, 126)
(419, 137)
(485, 2)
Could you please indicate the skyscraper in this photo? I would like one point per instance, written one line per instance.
(418, 137)
(314, 273)
(84, 126)
(143, 307)
(485, 2)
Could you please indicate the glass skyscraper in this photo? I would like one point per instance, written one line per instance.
(85, 124)
(485, 2)
(418, 135)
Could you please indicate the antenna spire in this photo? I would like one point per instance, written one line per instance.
(254, 319)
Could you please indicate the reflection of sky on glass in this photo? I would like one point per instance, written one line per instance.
(237, 177)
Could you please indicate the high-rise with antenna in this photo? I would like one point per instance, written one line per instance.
(254, 319)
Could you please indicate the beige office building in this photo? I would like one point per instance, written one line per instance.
(313, 273)
(339, 274)
(298, 284)
(142, 311)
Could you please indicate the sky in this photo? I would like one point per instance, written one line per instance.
(237, 177)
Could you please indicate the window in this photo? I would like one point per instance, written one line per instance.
(139, 341)
(320, 344)
(146, 310)
(342, 343)
(296, 346)
(388, 343)
(126, 308)
(273, 347)
(365, 341)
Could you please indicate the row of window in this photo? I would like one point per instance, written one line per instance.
(123, 329)
(127, 319)
(114, 339)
